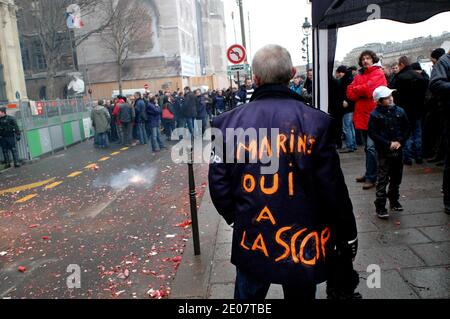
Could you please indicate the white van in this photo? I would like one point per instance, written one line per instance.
(127, 93)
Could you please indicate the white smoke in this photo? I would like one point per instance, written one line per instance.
(142, 178)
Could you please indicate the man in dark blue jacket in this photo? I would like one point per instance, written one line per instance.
(287, 221)
(140, 106)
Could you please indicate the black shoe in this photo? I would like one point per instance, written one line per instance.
(419, 161)
(17, 165)
(408, 162)
(397, 207)
(8, 165)
(361, 180)
(346, 151)
(434, 160)
(440, 164)
(382, 213)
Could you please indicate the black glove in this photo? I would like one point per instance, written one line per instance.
(18, 138)
(353, 247)
(348, 248)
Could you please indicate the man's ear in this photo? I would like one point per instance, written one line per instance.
(293, 72)
(256, 80)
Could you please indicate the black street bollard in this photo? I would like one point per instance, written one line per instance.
(193, 200)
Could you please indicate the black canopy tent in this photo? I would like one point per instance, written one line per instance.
(330, 15)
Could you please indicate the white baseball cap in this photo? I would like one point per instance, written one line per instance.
(382, 92)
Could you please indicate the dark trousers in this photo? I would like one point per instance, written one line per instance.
(250, 288)
(446, 184)
(390, 171)
(127, 131)
(8, 144)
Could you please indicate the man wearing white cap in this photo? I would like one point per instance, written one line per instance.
(389, 129)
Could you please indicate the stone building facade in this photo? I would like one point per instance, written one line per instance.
(12, 83)
(187, 47)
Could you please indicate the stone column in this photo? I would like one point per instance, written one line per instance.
(10, 53)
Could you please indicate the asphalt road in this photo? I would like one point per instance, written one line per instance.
(119, 218)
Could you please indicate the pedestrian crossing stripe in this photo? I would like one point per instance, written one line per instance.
(53, 185)
(104, 159)
(75, 174)
(26, 198)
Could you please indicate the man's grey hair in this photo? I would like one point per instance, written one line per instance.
(273, 65)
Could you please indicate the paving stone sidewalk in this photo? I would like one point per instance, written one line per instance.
(412, 248)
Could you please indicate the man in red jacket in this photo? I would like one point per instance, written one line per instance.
(370, 77)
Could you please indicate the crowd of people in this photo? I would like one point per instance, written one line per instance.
(407, 120)
(410, 109)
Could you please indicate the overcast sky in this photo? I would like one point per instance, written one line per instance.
(280, 21)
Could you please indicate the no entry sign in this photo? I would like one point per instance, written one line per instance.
(236, 54)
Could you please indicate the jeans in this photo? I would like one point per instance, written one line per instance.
(248, 287)
(169, 126)
(141, 133)
(413, 147)
(390, 171)
(204, 123)
(156, 139)
(102, 140)
(371, 158)
(349, 131)
(189, 122)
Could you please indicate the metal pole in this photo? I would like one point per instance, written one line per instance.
(234, 27)
(307, 52)
(193, 200)
(239, 80)
(249, 37)
(241, 11)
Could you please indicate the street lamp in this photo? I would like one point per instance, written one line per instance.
(306, 32)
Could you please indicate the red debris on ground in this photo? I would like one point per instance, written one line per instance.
(184, 224)
(21, 269)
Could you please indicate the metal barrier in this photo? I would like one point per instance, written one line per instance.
(49, 126)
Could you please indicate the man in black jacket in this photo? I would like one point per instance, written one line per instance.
(440, 85)
(411, 89)
(287, 221)
(9, 133)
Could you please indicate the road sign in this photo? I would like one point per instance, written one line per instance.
(242, 68)
(236, 54)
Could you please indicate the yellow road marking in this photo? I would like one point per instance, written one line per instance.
(26, 198)
(26, 187)
(75, 174)
(125, 149)
(53, 185)
(91, 166)
(115, 153)
(104, 159)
